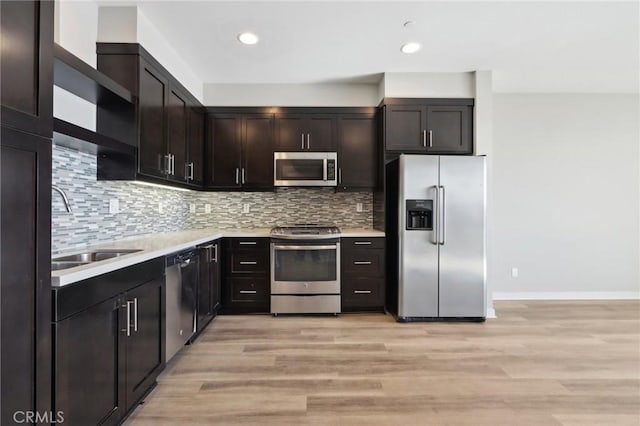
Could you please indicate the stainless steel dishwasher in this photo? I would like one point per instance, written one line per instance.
(182, 281)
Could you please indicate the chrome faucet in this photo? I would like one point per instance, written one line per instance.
(59, 190)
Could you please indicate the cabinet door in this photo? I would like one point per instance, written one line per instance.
(177, 132)
(25, 271)
(196, 147)
(153, 112)
(320, 134)
(357, 151)
(247, 294)
(145, 343)
(449, 129)
(405, 128)
(224, 147)
(257, 152)
(26, 68)
(89, 365)
(291, 133)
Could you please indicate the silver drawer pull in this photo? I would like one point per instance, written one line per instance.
(362, 263)
(362, 291)
(362, 243)
(249, 262)
(248, 292)
(248, 243)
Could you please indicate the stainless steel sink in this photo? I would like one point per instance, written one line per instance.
(71, 261)
(93, 256)
(56, 266)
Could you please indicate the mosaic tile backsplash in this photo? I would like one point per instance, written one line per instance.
(145, 210)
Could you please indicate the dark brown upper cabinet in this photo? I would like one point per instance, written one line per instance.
(240, 151)
(429, 126)
(357, 151)
(297, 132)
(26, 68)
(170, 121)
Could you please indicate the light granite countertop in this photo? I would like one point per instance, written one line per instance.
(162, 244)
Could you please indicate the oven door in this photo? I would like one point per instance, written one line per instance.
(304, 267)
(304, 168)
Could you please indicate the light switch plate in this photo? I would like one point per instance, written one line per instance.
(114, 206)
(246, 208)
(514, 272)
(359, 207)
(192, 208)
(160, 207)
(207, 208)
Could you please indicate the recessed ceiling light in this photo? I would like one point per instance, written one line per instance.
(248, 38)
(410, 47)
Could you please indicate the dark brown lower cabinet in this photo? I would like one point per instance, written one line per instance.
(108, 342)
(208, 284)
(246, 275)
(25, 273)
(362, 274)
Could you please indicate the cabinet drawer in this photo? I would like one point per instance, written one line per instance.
(248, 290)
(249, 262)
(362, 292)
(259, 244)
(362, 243)
(368, 263)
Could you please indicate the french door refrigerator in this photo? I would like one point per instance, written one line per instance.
(435, 222)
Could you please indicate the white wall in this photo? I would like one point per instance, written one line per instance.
(429, 84)
(129, 25)
(291, 94)
(566, 195)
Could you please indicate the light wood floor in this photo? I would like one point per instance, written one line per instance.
(539, 363)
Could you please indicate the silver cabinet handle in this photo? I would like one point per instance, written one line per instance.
(324, 169)
(339, 174)
(430, 138)
(357, 262)
(243, 180)
(173, 164)
(308, 141)
(135, 314)
(248, 243)
(185, 263)
(424, 138)
(442, 225)
(237, 176)
(167, 164)
(362, 243)
(191, 172)
(249, 262)
(215, 251)
(362, 291)
(129, 303)
(302, 143)
(436, 216)
(248, 292)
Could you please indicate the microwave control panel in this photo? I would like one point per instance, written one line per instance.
(331, 170)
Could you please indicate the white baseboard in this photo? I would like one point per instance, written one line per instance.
(568, 295)
(491, 313)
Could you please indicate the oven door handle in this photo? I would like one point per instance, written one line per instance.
(313, 247)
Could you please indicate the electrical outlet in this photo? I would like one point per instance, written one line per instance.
(514, 272)
(160, 207)
(114, 206)
(359, 207)
(246, 208)
(207, 208)
(192, 208)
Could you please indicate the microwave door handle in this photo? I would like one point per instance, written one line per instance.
(324, 169)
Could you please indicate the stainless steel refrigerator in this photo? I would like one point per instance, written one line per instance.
(435, 223)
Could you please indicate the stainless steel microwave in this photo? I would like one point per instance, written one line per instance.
(305, 169)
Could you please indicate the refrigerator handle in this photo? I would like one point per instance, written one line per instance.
(436, 216)
(441, 227)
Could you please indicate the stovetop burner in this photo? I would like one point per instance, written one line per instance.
(305, 229)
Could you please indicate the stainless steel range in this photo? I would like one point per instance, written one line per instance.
(305, 269)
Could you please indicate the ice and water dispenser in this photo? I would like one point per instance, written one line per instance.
(420, 215)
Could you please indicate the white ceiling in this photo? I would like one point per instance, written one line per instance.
(530, 46)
